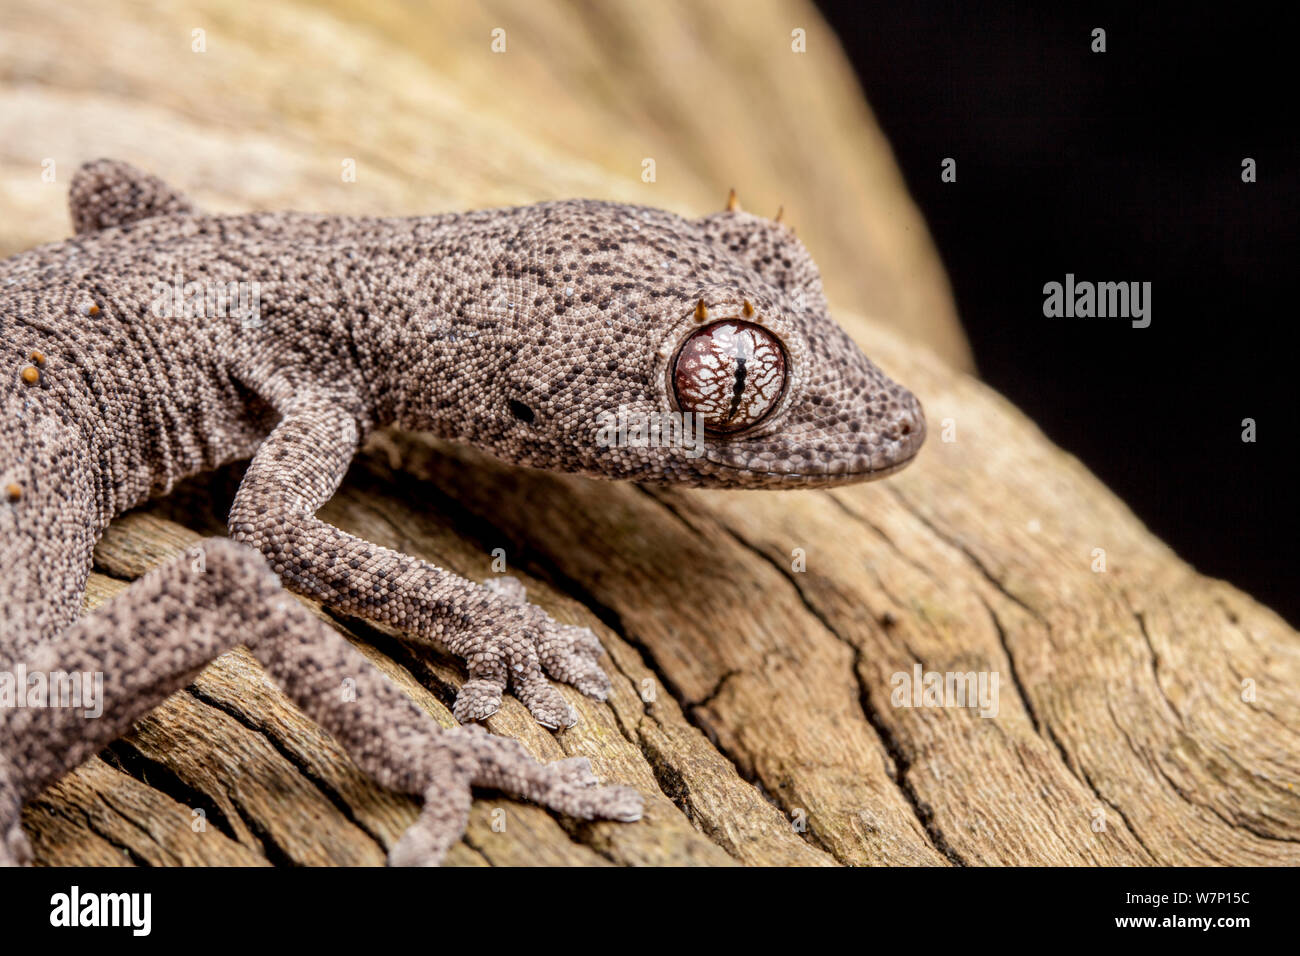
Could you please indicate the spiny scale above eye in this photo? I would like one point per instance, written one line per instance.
(731, 372)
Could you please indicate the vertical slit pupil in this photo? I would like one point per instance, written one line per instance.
(737, 391)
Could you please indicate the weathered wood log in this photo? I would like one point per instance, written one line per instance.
(1146, 713)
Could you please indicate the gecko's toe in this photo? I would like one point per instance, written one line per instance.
(619, 803)
(599, 803)
(579, 672)
(479, 699)
(578, 640)
(567, 786)
(545, 703)
(589, 679)
(570, 655)
(595, 685)
(520, 648)
(416, 848)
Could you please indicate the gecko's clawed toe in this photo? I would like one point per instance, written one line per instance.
(417, 847)
(566, 664)
(581, 641)
(621, 803)
(599, 803)
(545, 703)
(596, 685)
(470, 756)
(570, 655)
(479, 699)
(588, 678)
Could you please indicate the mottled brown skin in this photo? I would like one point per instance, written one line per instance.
(512, 329)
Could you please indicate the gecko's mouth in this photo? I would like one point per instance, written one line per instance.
(775, 477)
(811, 464)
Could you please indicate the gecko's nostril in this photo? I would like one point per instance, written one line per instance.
(915, 429)
(910, 427)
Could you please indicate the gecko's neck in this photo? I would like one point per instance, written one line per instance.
(432, 340)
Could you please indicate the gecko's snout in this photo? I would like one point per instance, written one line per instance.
(824, 450)
(903, 438)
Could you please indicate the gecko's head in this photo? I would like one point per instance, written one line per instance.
(695, 352)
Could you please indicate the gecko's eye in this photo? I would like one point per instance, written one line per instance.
(731, 372)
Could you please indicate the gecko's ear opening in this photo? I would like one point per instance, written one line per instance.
(522, 412)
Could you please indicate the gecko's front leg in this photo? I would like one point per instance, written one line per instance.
(504, 642)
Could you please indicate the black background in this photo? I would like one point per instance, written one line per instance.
(1119, 166)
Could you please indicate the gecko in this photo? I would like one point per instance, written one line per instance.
(516, 330)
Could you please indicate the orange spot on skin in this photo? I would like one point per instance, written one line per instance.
(94, 310)
(749, 308)
(31, 375)
(701, 311)
(13, 491)
(37, 357)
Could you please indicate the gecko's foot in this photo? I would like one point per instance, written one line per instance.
(518, 652)
(478, 758)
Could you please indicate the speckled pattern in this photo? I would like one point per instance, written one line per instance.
(511, 329)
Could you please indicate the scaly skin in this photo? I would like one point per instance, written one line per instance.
(511, 329)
